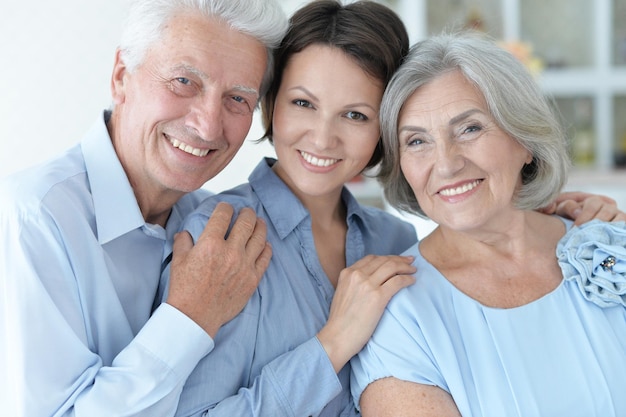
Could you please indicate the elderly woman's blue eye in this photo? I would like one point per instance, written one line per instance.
(414, 141)
(183, 80)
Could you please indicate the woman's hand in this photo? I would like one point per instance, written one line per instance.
(363, 291)
(582, 207)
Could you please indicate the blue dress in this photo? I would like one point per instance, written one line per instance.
(561, 355)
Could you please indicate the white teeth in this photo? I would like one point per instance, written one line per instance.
(449, 192)
(189, 149)
(317, 161)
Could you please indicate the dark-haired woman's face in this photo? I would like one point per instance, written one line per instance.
(325, 124)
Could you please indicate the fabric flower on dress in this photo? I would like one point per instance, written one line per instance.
(594, 255)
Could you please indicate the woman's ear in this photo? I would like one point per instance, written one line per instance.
(529, 158)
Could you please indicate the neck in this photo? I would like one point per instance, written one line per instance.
(522, 234)
(156, 208)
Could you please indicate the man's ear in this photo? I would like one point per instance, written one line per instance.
(118, 92)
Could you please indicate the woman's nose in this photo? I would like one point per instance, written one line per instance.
(324, 135)
(449, 160)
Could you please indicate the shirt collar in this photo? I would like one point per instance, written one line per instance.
(283, 207)
(115, 206)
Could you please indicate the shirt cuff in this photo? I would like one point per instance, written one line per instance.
(162, 336)
(311, 385)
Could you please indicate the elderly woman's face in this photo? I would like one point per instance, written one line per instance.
(463, 169)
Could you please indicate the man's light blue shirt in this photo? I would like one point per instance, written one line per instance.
(79, 272)
(268, 361)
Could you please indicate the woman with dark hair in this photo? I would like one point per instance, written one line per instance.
(287, 353)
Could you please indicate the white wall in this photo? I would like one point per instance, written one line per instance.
(54, 79)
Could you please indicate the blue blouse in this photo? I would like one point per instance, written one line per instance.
(561, 355)
(267, 361)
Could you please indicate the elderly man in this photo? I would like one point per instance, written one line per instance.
(85, 236)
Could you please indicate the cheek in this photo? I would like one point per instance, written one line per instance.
(286, 127)
(236, 129)
(413, 173)
(365, 144)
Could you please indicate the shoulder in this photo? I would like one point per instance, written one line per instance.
(63, 179)
(380, 227)
(238, 197)
(593, 255)
(428, 297)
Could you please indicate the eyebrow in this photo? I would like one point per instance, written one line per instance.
(193, 70)
(305, 91)
(462, 116)
(247, 90)
(456, 119)
(241, 88)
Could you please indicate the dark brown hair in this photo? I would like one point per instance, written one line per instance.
(372, 34)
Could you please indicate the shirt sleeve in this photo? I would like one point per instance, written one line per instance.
(50, 355)
(298, 383)
(394, 351)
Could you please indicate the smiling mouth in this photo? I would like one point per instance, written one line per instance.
(449, 192)
(319, 162)
(188, 148)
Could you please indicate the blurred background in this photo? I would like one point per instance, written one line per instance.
(57, 60)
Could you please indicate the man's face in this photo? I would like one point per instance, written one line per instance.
(183, 113)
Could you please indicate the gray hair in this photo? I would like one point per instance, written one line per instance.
(513, 98)
(264, 20)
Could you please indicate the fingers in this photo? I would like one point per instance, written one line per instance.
(594, 207)
(379, 269)
(619, 217)
(549, 209)
(362, 293)
(263, 261)
(218, 223)
(256, 241)
(212, 280)
(248, 231)
(579, 197)
(182, 242)
(569, 209)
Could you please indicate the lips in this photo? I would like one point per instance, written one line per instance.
(319, 162)
(453, 191)
(188, 148)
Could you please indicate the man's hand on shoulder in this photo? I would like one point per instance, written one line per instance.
(212, 281)
(583, 207)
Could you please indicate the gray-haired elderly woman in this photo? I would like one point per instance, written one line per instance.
(514, 312)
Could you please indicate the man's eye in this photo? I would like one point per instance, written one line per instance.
(239, 105)
(355, 115)
(183, 80)
(183, 87)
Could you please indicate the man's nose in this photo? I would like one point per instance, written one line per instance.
(206, 117)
